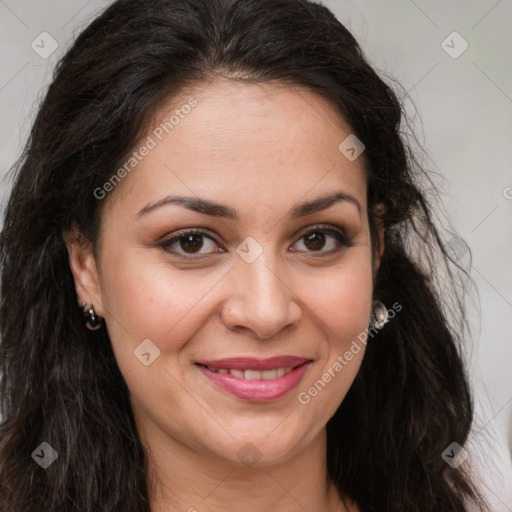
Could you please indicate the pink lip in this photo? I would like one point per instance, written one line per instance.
(257, 390)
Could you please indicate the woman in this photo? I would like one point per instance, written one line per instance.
(217, 278)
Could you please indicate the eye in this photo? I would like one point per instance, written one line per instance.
(189, 242)
(318, 237)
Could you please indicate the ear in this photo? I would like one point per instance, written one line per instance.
(84, 269)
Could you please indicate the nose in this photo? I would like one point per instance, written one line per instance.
(260, 299)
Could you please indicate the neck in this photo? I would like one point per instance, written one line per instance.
(184, 479)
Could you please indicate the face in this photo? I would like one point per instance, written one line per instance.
(233, 270)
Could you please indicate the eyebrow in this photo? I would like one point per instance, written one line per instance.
(213, 209)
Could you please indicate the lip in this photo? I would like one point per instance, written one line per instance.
(259, 390)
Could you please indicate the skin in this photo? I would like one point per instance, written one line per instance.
(259, 149)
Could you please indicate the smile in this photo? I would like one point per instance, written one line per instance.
(255, 380)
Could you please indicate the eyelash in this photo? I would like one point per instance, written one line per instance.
(341, 237)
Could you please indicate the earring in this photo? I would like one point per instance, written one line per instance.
(379, 315)
(92, 322)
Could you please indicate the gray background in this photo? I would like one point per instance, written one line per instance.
(465, 108)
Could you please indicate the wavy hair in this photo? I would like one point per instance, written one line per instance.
(60, 382)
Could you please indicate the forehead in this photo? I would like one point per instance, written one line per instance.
(264, 141)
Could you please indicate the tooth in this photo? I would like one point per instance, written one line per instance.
(269, 374)
(223, 370)
(252, 374)
(237, 373)
(288, 369)
(279, 372)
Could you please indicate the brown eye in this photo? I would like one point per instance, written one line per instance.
(191, 243)
(318, 238)
(315, 241)
(194, 242)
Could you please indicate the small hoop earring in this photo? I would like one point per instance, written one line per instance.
(92, 321)
(379, 315)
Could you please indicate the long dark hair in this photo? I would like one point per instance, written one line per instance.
(60, 382)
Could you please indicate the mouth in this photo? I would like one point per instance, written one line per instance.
(254, 379)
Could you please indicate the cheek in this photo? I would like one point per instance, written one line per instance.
(144, 299)
(341, 301)
(341, 307)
